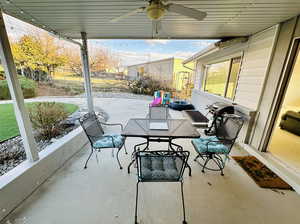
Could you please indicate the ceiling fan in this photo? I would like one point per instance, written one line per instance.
(156, 9)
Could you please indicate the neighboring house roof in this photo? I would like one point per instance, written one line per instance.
(151, 62)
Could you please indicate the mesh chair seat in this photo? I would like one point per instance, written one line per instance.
(109, 141)
(210, 144)
(159, 169)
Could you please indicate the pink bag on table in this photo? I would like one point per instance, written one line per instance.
(156, 101)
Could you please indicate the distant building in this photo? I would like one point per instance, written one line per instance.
(170, 72)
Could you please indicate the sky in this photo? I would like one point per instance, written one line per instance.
(130, 52)
(140, 51)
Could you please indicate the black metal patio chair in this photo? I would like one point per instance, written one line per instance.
(98, 139)
(160, 112)
(217, 148)
(161, 166)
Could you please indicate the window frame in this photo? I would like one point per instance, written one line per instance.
(205, 74)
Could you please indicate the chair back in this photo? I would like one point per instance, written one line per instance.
(158, 112)
(161, 166)
(91, 126)
(229, 127)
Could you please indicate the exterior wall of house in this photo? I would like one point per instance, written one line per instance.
(182, 76)
(132, 72)
(161, 70)
(261, 79)
(169, 72)
(256, 54)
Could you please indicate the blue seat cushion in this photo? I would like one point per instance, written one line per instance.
(159, 169)
(214, 147)
(106, 141)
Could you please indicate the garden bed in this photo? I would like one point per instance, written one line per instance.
(12, 151)
(8, 123)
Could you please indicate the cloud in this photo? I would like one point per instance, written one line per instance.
(132, 58)
(201, 44)
(155, 42)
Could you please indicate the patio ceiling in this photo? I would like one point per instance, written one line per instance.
(225, 18)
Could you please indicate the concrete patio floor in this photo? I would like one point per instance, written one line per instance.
(105, 194)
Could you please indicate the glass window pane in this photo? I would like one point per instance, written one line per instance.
(233, 78)
(217, 77)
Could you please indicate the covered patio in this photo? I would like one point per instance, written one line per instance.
(52, 187)
(105, 194)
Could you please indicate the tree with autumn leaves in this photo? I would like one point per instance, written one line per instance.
(100, 59)
(38, 55)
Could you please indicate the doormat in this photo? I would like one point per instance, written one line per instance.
(261, 174)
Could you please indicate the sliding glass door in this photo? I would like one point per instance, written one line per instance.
(284, 143)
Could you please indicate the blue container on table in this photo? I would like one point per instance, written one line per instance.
(157, 94)
(166, 98)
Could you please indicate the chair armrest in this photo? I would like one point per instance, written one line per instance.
(112, 124)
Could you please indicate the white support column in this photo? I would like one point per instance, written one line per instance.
(86, 72)
(17, 95)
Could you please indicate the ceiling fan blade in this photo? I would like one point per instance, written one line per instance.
(189, 12)
(141, 9)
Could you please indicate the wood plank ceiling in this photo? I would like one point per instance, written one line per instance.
(225, 18)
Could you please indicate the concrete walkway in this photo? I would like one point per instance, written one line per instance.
(104, 194)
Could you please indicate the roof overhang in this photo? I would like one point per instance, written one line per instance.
(216, 46)
(234, 18)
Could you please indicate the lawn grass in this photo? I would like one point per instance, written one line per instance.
(8, 123)
(74, 81)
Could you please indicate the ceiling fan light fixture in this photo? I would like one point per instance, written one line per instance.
(155, 11)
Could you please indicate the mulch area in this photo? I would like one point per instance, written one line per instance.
(261, 174)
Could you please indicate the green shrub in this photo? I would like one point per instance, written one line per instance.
(146, 85)
(46, 118)
(28, 87)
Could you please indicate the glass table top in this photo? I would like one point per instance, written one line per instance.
(178, 128)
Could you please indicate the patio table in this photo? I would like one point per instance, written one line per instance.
(178, 128)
